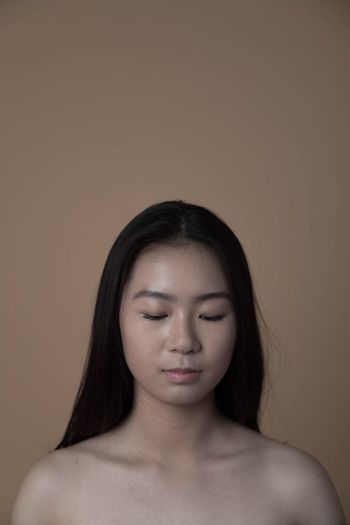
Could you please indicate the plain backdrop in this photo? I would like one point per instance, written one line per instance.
(109, 106)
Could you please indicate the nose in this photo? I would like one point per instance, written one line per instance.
(182, 336)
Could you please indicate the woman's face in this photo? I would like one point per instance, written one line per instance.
(189, 332)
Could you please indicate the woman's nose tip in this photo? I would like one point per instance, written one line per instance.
(185, 344)
(183, 337)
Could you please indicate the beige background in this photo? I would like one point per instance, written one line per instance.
(109, 106)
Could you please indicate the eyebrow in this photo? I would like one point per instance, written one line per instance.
(172, 298)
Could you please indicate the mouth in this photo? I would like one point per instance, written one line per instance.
(182, 375)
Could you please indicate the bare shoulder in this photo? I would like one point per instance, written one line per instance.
(39, 498)
(33, 499)
(302, 483)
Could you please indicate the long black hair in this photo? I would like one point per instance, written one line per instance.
(105, 395)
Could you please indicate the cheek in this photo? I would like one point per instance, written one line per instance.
(223, 343)
(139, 347)
(223, 340)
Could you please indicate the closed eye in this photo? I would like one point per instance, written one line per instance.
(153, 317)
(214, 318)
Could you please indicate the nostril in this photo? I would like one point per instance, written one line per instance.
(186, 349)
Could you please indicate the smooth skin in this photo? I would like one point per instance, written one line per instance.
(176, 460)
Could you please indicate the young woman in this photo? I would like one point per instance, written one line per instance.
(165, 427)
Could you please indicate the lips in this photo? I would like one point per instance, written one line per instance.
(182, 376)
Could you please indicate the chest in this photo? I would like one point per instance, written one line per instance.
(221, 497)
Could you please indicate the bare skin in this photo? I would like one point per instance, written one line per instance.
(252, 479)
(176, 460)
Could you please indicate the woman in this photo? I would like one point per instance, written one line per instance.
(165, 427)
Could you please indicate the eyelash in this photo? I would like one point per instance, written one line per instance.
(159, 317)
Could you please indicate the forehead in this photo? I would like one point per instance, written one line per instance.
(192, 266)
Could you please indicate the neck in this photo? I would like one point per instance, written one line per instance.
(169, 433)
